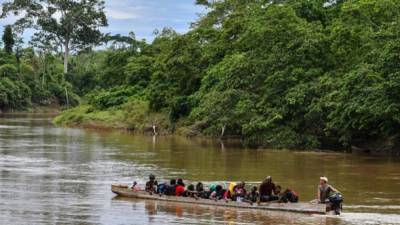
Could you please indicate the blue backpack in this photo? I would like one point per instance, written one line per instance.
(336, 198)
(161, 188)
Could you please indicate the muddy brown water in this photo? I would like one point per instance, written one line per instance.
(51, 175)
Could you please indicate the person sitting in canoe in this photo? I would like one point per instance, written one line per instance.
(170, 188)
(135, 187)
(267, 190)
(190, 192)
(179, 188)
(200, 191)
(180, 182)
(161, 188)
(218, 193)
(229, 192)
(253, 196)
(151, 185)
(288, 195)
(239, 192)
(207, 192)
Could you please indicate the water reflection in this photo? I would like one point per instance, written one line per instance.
(183, 213)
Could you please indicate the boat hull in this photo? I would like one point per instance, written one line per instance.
(308, 208)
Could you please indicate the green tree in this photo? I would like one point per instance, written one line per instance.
(177, 71)
(77, 28)
(8, 39)
(138, 70)
(112, 67)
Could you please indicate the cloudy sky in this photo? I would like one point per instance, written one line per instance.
(143, 16)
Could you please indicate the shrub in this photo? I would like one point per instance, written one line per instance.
(113, 97)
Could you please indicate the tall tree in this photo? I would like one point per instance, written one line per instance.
(8, 39)
(68, 24)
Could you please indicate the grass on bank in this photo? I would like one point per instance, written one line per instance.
(133, 115)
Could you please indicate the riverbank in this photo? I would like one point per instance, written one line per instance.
(132, 117)
(136, 117)
(36, 110)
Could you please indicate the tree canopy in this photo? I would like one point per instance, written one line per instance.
(8, 39)
(65, 25)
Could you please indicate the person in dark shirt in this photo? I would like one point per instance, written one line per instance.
(171, 188)
(201, 192)
(289, 195)
(151, 185)
(180, 182)
(267, 190)
(253, 196)
(190, 192)
(199, 187)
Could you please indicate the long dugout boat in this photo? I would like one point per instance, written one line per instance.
(307, 208)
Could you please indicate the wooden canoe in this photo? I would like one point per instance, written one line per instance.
(308, 208)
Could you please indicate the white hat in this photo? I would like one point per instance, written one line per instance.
(324, 179)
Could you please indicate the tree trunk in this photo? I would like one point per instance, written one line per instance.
(223, 131)
(66, 97)
(66, 56)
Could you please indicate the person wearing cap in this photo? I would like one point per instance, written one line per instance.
(325, 190)
(151, 185)
(267, 190)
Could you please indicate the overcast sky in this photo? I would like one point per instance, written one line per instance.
(143, 16)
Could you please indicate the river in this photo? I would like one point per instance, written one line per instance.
(51, 175)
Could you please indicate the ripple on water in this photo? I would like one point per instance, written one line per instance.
(9, 127)
(22, 159)
(370, 218)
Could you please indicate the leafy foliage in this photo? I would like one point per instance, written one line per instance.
(284, 73)
(34, 79)
(8, 39)
(76, 29)
(113, 97)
